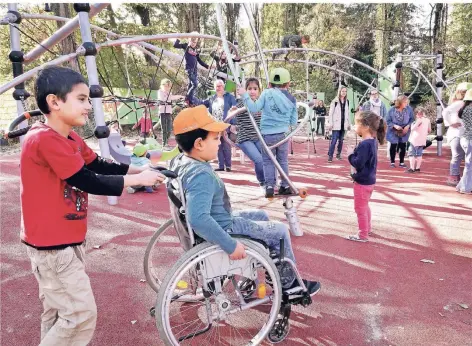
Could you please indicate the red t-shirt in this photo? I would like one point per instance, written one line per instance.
(53, 212)
(145, 124)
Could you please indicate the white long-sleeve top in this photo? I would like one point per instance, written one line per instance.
(165, 100)
(450, 116)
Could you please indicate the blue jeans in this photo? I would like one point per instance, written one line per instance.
(253, 150)
(224, 154)
(192, 85)
(256, 224)
(465, 184)
(281, 154)
(336, 136)
(457, 155)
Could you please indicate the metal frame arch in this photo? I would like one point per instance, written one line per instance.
(323, 66)
(316, 50)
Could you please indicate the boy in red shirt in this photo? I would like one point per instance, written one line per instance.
(58, 170)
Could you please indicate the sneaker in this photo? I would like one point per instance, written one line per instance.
(129, 189)
(219, 170)
(417, 170)
(465, 192)
(410, 170)
(313, 287)
(453, 180)
(402, 165)
(228, 169)
(330, 159)
(269, 192)
(285, 190)
(392, 165)
(338, 156)
(356, 238)
(148, 189)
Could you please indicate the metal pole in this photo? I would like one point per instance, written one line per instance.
(251, 117)
(256, 38)
(27, 75)
(17, 58)
(439, 108)
(96, 91)
(398, 76)
(61, 34)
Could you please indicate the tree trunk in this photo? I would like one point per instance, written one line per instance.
(257, 14)
(232, 15)
(111, 16)
(381, 37)
(67, 45)
(438, 13)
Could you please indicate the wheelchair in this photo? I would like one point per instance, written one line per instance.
(204, 297)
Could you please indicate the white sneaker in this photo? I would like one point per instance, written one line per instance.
(129, 189)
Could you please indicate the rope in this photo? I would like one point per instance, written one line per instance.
(39, 43)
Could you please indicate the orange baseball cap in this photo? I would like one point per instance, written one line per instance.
(197, 118)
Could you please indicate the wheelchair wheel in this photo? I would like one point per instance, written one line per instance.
(162, 251)
(223, 313)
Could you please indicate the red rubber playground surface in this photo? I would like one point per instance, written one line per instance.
(378, 293)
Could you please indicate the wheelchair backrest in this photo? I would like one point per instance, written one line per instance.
(176, 196)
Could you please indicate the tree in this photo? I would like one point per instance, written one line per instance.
(69, 44)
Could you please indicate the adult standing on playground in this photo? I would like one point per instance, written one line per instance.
(455, 131)
(375, 104)
(399, 119)
(218, 105)
(465, 114)
(165, 108)
(320, 113)
(338, 122)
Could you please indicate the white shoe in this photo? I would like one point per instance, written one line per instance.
(129, 189)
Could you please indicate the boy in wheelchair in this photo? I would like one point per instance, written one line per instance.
(209, 210)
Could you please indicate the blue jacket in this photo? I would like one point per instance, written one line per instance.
(191, 56)
(279, 110)
(403, 119)
(229, 101)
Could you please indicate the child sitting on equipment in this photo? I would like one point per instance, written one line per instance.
(420, 129)
(279, 111)
(139, 159)
(192, 57)
(145, 124)
(291, 41)
(209, 210)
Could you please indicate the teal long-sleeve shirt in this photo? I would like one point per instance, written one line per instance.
(208, 206)
(279, 110)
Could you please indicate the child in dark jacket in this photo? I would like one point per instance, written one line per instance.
(192, 57)
(363, 159)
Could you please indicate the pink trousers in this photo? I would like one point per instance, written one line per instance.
(362, 194)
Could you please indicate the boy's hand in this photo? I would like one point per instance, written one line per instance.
(456, 125)
(232, 109)
(150, 177)
(241, 91)
(239, 252)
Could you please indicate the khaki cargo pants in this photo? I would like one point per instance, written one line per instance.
(70, 312)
